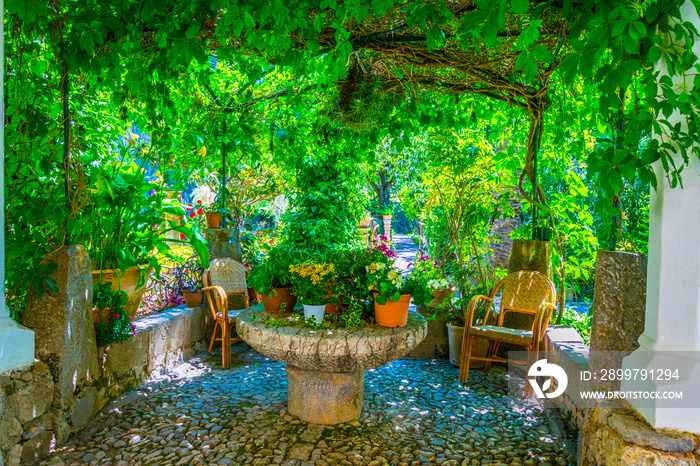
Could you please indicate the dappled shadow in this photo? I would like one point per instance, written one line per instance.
(414, 410)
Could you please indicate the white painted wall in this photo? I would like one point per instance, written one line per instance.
(673, 288)
(16, 342)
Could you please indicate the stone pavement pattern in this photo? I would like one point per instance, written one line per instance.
(415, 412)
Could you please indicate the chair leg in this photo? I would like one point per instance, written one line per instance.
(462, 376)
(213, 337)
(533, 354)
(468, 350)
(493, 348)
(226, 346)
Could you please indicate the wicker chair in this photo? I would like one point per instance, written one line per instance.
(523, 292)
(223, 279)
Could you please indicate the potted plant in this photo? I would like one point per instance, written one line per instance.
(213, 216)
(123, 223)
(312, 282)
(433, 276)
(391, 291)
(271, 279)
(189, 281)
(112, 323)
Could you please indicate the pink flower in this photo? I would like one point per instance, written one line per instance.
(116, 316)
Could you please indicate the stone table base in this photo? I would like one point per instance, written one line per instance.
(325, 397)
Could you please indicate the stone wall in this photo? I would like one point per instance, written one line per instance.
(616, 435)
(32, 417)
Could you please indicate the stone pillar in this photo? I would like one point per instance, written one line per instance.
(618, 303)
(65, 334)
(387, 225)
(501, 243)
(224, 242)
(16, 342)
(531, 254)
(673, 285)
(526, 254)
(309, 391)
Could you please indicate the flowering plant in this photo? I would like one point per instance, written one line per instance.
(255, 247)
(384, 280)
(117, 326)
(312, 282)
(433, 273)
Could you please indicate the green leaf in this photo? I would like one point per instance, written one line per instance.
(520, 7)
(27, 10)
(542, 54)
(569, 67)
(192, 31)
(86, 42)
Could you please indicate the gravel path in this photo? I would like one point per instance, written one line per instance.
(415, 412)
(406, 251)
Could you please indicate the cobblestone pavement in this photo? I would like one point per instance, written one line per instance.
(415, 412)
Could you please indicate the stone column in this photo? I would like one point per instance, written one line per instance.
(618, 303)
(531, 254)
(224, 242)
(65, 334)
(387, 225)
(673, 287)
(526, 254)
(16, 342)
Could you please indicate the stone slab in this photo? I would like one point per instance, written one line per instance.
(338, 350)
(84, 407)
(223, 243)
(634, 431)
(619, 304)
(121, 358)
(325, 397)
(62, 321)
(170, 332)
(34, 399)
(600, 444)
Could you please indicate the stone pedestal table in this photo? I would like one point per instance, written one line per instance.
(325, 368)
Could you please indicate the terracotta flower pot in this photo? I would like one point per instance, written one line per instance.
(127, 283)
(439, 297)
(364, 223)
(273, 302)
(100, 315)
(393, 313)
(213, 219)
(193, 298)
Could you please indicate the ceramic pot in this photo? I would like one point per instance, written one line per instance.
(213, 219)
(317, 312)
(392, 314)
(455, 335)
(127, 283)
(279, 300)
(193, 298)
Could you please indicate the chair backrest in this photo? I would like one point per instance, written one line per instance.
(528, 292)
(228, 274)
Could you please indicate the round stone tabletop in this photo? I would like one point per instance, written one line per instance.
(336, 350)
